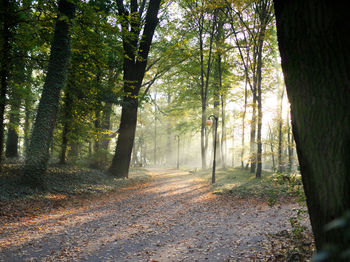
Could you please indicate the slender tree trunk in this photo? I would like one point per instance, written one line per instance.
(264, 9)
(203, 100)
(38, 153)
(290, 145)
(252, 158)
(106, 126)
(243, 121)
(318, 87)
(168, 134)
(203, 137)
(28, 105)
(259, 142)
(263, 19)
(223, 134)
(67, 114)
(216, 107)
(280, 132)
(205, 85)
(155, 129)
(13, 128)
(272, 150)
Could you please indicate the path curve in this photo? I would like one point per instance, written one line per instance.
(173, 218)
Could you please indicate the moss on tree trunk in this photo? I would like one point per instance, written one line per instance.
(38, 152)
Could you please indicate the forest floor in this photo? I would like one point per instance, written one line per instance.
(174, 216)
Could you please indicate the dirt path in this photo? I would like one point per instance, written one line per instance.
(173, 218)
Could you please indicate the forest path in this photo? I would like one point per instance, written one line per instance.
(174, 217)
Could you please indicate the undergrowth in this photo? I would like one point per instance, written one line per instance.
(66, 180)
(242, 183)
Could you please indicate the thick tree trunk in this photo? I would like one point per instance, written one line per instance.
(121, 160)
(5, 64)
(136, 49)
(38, 153)
(314, 42)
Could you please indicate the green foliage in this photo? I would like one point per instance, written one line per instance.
(242, 183)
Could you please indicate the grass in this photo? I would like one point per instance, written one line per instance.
(66, 180)
(242, 183)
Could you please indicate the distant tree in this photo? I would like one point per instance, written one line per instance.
(38, 152)
(314, 42)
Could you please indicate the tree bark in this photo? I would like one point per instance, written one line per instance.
(28, 105)
(5, 64)
(13, 126)
(67, 113)
(290, 145)
(252, 158)
(280, 132)
(314, 42)
(136, 51)
(38, 152)
(243, 121)
(18, 82)
(168, 134)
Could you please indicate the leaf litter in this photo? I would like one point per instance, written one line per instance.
(174, 217)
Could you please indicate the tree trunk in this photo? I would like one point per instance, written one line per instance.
(136, 49)
(106, 126)
(314, 42)
(243, 121)
(252, 157)
(264, 9)
(272, 150)
(280, 132)
(258, 138)
(121, 160)
(38, 153)
(223, 133)
(5, 65)
(67, 114)
(216, 86)
(13, 128)
(28, 105)
(15, 101)
(168, 134)
(290, 145)
(155, 129)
